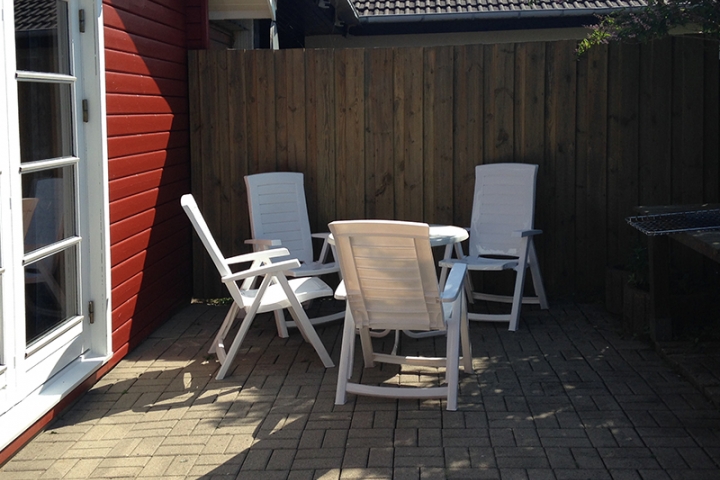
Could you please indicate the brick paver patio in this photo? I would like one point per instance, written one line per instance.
(564, 397)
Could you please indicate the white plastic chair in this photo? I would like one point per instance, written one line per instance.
(390, 283)
(275, 292)
(501, 235)
(279, 217)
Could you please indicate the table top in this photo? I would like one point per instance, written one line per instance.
(707, 242)
(440, 235)
(446, 234)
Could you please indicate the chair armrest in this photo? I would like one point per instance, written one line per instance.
(263, 270)
(451, 262)
(341, 291)
(263, 242)
(326, 246)
(525, 233)
(261, 255)
(454, 283)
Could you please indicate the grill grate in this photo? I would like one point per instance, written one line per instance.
(665, 223)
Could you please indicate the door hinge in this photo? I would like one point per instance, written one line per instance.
(81, 20)
(91, 311)
(86, 115)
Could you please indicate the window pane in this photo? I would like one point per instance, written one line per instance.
(45, 120)
(50, 293)
(41, 32)
(48, 207)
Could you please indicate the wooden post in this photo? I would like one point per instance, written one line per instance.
(659, 259)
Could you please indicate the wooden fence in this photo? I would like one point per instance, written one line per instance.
(396, 133)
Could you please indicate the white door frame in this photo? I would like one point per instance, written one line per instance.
(21, 409)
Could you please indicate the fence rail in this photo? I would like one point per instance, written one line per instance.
(397, 132)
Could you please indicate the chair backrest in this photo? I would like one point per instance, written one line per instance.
(504, 201)
(278, 210)
(389, 274)
(193, 212)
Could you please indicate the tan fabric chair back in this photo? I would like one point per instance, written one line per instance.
(389, 274)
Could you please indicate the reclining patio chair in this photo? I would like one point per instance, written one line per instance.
(279, 218)
(501, 236)
(390, 283)
(275, 292)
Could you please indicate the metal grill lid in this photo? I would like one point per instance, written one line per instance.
(675, 222)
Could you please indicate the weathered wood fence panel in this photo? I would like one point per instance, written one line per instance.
(396, 133)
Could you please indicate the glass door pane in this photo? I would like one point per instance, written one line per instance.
(49, 163)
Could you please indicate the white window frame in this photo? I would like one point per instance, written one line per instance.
(19, 409)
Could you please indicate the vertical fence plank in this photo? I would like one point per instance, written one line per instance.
(320, 131)
(622, 150)
(438, 135)
(687, 131)
(290, 110)
(379, 173)
(591, 172)
(197, 76)
(238, 159)
(560, 126)
(221, 159)
(529, 115)
(350, 120)
(283, 85)
(687, 169)
(711, 132)
(468, 131)
(296, 142)
(261, 111)
(408, 116)
(215, 148)
(499, 97)
(655, 121)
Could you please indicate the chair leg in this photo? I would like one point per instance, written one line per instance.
(226, 359)
(303, 323)
(280, 323)
(537, 277)
(367, 348)
(239, 337)
(465, 336)
(346, 360)
(224, 328)
(452, 362)
(518, 294)
(351, 356)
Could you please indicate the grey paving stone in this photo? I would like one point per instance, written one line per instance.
(562, 398)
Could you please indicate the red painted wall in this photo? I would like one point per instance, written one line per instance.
(198, 24)
(146, 44)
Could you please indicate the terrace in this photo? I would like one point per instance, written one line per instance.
(566, 396)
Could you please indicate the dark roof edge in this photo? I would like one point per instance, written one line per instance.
(529, 13)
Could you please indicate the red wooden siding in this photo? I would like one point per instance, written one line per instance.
(198, 25)
(148, 148)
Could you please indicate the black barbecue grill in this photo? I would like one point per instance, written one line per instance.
(676, 222)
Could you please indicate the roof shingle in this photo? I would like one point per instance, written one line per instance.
(372, 8)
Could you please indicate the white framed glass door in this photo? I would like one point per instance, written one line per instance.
(50, 134)
(54, 235)
(5, 236)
